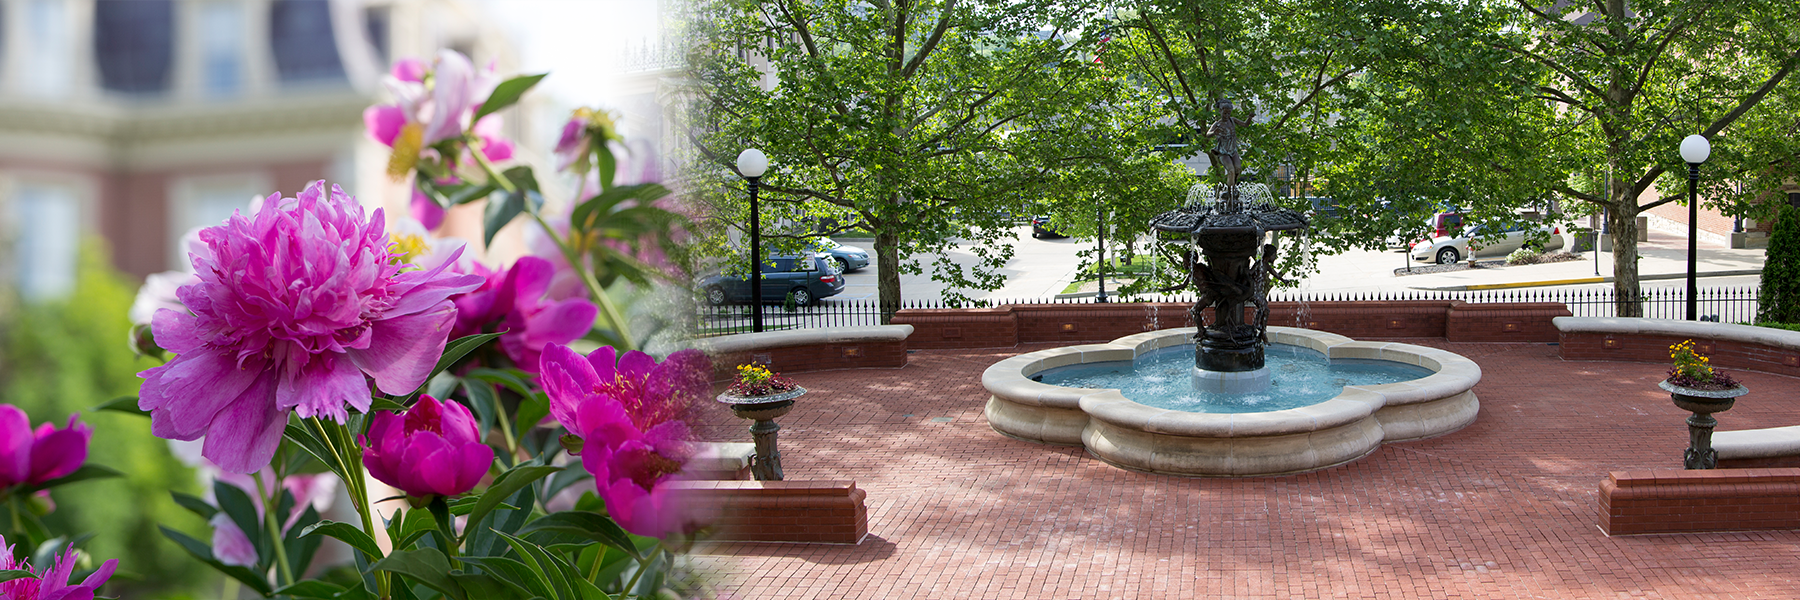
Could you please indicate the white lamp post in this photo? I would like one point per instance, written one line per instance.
(751, 163)
(1694, 150)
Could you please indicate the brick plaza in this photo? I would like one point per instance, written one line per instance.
(1504, 508)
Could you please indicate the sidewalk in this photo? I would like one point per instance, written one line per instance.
(1658, 259)
(1504, 508)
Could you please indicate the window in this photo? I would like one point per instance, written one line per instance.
(197, 202)
(376, 26)
(221, 48)
(47, 36)
(301, 37)
(133, 45)
(46, 223)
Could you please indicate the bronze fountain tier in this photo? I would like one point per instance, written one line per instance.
(1236, 239)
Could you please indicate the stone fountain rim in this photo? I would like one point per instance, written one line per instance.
(1011, 378)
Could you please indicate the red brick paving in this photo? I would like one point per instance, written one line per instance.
(1502, 509)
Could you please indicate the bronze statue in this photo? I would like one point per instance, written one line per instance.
(1225, 152)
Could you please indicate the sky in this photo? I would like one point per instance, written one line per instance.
(579, 42)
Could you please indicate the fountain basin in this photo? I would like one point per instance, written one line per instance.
(1138, 437)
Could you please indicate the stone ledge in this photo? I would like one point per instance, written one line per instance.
(746, 342)
(830, 512)
(1747, 334)
(720, 461)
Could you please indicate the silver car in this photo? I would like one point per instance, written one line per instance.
(1506, 237)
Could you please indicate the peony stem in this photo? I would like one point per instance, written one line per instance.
(512, 443)
(270, 505)
(607, 308)
(350, 470)
(643, 565)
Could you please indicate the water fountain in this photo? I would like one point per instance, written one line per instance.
(1218, 425)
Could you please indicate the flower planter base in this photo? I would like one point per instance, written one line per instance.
(1703, 403)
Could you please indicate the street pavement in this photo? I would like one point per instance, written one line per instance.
(1043, 268)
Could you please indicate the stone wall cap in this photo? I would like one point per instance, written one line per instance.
(1730, 332)
(746, 342)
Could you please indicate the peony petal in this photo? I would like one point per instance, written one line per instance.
(474, 459)
(426, 211)
(99, 576)
(605, 360)
(636, 366)
(409, 69)
(229, 544)
(431, 465)
(59, 453)
(558, 323)
(403, 350)
(323, 387)
(16, 441)
(184, 395)
(383, 123)
(567, 378)
(244, 434)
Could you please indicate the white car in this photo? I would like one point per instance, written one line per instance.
(1448, 249)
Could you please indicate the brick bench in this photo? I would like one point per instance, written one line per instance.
(1758, 448)
(714, 461)
(1638, 502)
(830, 512)
(795, 350)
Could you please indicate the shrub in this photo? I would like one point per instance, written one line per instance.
(68, 356)
(1524, 256)
(1779, 298)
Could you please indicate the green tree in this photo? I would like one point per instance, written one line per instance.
(1629, 80)
(68, 356)
(1778, 299)
(928, 123)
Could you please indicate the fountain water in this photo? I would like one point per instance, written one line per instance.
(1233, 260)
(1233, 230)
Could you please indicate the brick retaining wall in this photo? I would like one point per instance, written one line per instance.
(829, 512)
(1636, 502)
(1011, 325)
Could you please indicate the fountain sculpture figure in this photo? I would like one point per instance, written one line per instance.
(1231, 264)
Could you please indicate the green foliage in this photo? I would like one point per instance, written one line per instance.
(929, 123)
(67, 357)
(1779, 298)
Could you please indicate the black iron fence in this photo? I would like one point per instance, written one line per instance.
(1723, 304)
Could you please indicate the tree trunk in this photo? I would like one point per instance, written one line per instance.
(887, 272)
(1621, 221)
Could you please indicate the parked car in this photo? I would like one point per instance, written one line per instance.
(1040, 228)
(806, 277)
(1507, 237)
(839, 257)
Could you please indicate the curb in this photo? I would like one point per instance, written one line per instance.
(1554, 282)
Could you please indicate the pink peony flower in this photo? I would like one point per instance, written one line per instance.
(426, 210)
(443, 109)
(296, 307)
(434, 449)
(229, 543)
(627, 413)
(513, 301)
(52, 583)
(30, 457)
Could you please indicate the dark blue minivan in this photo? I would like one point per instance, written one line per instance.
(807, 278)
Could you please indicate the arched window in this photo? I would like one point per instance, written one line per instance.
(301, 36)
(134, 45)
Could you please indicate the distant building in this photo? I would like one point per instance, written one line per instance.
(141, 119)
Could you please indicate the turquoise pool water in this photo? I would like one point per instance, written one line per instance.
(1300, 377)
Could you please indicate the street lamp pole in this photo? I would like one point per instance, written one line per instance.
(1694, 149)
(1100, 213)
(751, 164)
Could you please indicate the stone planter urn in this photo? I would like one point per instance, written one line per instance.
(762, 412)
(1703, 403)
